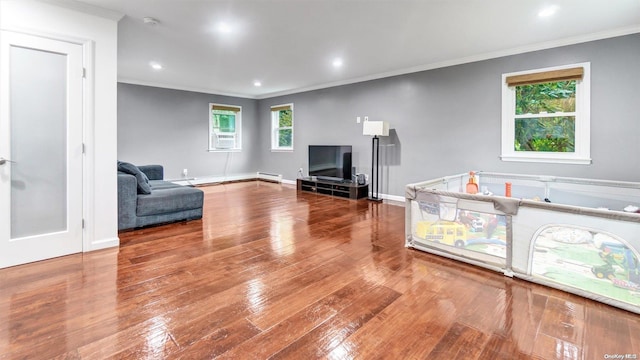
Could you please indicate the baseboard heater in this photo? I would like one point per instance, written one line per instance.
(277, 178)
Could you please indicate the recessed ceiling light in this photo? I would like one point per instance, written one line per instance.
(224, 28)
(337, 62)
(548, 11)
(155, 65)
(257, 83)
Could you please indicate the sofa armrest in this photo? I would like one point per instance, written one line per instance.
(153, 172)
(127, 201)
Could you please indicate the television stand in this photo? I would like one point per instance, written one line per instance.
(343, 189)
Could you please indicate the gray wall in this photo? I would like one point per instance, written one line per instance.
(447, 121)
(170, 127)
(444, 121)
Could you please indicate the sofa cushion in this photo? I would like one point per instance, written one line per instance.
(153, 172)
(127, 199)
(141, 178)
(169, 200)
(161, 184)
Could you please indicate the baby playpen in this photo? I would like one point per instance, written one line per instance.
(578, 235)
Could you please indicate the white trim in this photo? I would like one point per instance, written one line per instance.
(96, 31)
(234, 150)
(237, 133)
(260, 175)
(210, 91)
(71, 238)
(547, 159)
(46, 34)
(381, 196)
(86, 9)
(582, 153)
(104, 244)
(389, 197)
(469, 59)
(545, 115)
(443, 64)
(88, 160)
(215, 179)
(88, 117)
(275, 130)
(222, 179)
(280, 105)
(393, 197)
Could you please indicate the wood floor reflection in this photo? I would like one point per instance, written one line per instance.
(269, 273)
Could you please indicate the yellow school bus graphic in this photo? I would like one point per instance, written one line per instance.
(444, 232)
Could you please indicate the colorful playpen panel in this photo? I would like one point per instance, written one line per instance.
(578, 235)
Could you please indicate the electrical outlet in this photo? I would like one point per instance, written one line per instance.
(358, 119)
(185, 172)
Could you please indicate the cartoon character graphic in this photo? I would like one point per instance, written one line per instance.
(620, 266)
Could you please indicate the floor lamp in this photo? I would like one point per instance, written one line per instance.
(375, 129)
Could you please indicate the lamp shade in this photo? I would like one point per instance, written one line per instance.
(379, 128)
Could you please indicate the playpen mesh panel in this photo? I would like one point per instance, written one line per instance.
(441, 222)
(574, 246)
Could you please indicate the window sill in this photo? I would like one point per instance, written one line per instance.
(282, 150)
(546, 159)
(224, 150)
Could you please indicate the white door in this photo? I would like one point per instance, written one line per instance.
(40, 148)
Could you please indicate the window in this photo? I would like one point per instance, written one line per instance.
(225, 127)
(282, 127)
(546, 115)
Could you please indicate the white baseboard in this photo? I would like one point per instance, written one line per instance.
(103, 244)
(214, 179)
(222, 179)
(393, 197)
(261, 175)
(390, 197)
(381, 196)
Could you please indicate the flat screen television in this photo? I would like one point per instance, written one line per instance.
(330, 162)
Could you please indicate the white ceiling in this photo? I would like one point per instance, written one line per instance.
(289, 45)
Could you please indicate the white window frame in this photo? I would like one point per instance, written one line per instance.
(214, 137)
(275, 129)
(582, 153)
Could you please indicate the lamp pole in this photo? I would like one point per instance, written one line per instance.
(375, 164)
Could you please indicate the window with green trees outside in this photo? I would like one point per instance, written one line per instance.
(282, 127)
(546, 115)
(224, 127)
(224, 121)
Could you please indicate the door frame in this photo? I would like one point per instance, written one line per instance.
(88, 132)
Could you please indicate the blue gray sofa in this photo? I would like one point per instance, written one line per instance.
(144, 198)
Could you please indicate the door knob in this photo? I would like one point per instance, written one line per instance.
(4, 161)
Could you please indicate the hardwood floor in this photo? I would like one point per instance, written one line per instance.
(269, 273)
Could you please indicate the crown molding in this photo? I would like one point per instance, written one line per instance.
(470, 59)
(85, 8)
(183, 88)
(464, 60)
